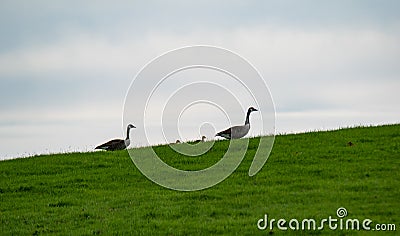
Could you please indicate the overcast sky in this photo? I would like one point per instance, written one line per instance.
(66, 66)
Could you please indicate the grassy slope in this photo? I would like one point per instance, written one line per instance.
(307, 176)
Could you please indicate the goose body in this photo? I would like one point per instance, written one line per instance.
(235, 132)
(238, 131)
(117, 144)
(203, 139)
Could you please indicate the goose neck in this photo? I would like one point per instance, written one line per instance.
(127, 132)
(247, 117)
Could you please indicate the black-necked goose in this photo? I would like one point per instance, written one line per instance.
(238, 131)
(203, 139)
(117, 144)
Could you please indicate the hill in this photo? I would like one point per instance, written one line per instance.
(307, 175)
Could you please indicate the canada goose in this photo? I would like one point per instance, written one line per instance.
(117, 144)
(203, 139)
(238, 131)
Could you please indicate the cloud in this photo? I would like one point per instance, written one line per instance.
(81, 54)
(292, 62)
(279, 51)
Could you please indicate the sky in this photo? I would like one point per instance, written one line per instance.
(67, 66)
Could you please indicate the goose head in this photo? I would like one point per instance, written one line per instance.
(251, 109)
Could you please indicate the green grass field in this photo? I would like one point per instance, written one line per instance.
(307, 175)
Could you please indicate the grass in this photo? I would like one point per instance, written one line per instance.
(307, 175)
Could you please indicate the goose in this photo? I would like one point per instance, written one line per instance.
(203, 139)
(239, 130)
(117, 144)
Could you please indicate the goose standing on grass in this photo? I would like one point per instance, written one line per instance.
(238, 131)
(117, 144)
(203, 139)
